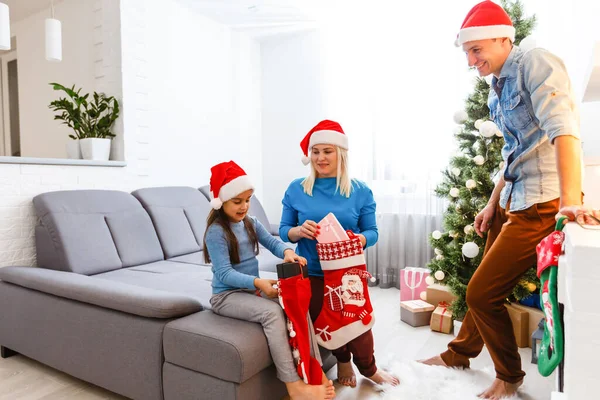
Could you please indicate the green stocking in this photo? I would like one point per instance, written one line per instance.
(552, 346)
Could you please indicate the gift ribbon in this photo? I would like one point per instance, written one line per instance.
(413, 282)
(445, 306)
(336, 291)
(324, 332)
(327, 225)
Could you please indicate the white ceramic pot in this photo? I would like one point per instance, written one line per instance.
(457, 325)
(73, 149)
(95, 149)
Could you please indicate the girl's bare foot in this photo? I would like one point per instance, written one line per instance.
(382, 377)
(299, 390)
(345, 374)
(500, 390)
(329, 388)
(437, 360)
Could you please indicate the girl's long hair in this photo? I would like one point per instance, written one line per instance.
(219, 217)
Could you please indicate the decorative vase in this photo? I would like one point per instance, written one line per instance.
(95, 149)
(73, 149)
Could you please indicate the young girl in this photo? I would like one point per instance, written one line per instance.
(231, 243)
(329, 188)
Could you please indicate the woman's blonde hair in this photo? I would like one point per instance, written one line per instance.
(343, 182)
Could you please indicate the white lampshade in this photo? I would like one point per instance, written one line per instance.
(4, 27)
(53, 40)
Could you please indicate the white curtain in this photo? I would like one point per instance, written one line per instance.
(394, 80)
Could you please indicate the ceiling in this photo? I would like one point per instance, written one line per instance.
(257, 17)
(21, 9)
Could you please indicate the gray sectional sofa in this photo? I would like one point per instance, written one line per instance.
(121, 299)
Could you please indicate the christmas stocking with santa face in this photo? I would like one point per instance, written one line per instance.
(552, 346)
(294, 297)
(347, 312)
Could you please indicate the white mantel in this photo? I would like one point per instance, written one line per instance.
(578, 284)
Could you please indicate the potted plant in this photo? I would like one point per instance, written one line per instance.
(90, 119)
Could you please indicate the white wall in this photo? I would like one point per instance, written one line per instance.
(293, 101)
(569, 29)
(585, 33)
(184, 109)
(199, 107)
(248, 108)
(41, 136)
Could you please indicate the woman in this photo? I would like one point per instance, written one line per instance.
(327, 189)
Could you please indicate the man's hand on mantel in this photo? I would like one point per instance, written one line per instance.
(581, 214)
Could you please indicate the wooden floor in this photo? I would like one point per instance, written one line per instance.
(24, 379)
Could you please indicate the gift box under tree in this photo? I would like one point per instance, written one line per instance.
(413, 283)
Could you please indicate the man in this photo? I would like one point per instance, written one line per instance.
(533, 105)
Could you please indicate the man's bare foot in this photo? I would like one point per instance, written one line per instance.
(437, 360)
(345, 374)
(382, 377)
(300, 391)
(500, 390)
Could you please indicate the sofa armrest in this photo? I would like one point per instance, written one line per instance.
(131, 299)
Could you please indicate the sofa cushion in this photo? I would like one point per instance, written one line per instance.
(237, 349)
(93, 231)
(267, 261)
(192, 258)
(179, 215)
(192, 280)
(132, 299)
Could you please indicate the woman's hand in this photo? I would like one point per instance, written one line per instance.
(290, 256)
(308, 230)
(266, 286)
(363, 239)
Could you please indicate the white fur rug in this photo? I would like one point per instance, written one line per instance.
(422, 382)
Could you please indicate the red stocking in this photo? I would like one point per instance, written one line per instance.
(295, 294)
(347, 310)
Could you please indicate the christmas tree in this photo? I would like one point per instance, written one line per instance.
(467, 184)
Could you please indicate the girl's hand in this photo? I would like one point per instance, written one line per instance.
(266, 286)
(309, 230)
(290, 256)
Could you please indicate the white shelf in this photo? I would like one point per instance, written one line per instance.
(60, 161)
(591, 90)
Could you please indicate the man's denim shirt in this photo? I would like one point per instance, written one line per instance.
(532, 103)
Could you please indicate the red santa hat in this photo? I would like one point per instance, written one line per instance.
(487, 20)
(325, 132)
(227, 180)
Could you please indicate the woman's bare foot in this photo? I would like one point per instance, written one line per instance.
(345, 374)
(500, 390)
(301, 391)
(382, 377)
(436, 360)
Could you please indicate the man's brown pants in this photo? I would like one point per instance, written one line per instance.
(509, 251)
